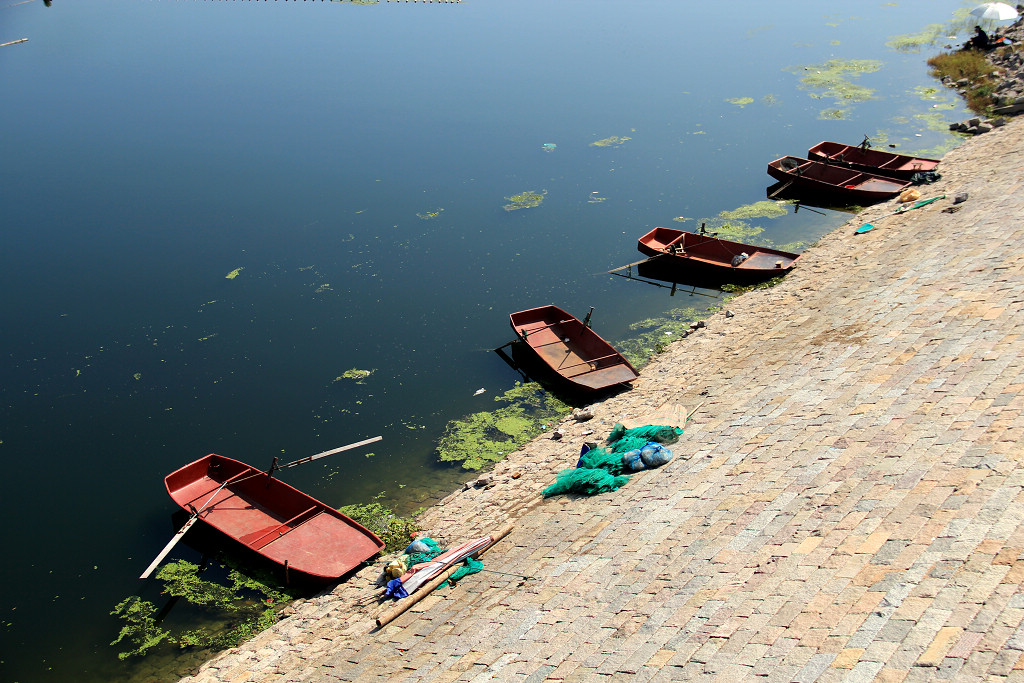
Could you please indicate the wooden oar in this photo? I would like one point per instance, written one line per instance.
(195, 515)
(311, 458)
(185, 527)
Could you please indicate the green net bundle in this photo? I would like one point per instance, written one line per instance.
(418, 554)
(601, 469)
(470, 566)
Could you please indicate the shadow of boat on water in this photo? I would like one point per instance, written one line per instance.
(669, 274)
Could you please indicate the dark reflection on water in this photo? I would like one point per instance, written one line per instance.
(351, 163)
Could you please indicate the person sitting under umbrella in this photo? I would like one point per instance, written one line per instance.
(980, 39)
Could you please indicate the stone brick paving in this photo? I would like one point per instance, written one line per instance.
(846, 505)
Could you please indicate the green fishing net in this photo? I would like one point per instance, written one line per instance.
(426, 555)
(585, 481)
(600, 469)
(470, 566)
(622, 439)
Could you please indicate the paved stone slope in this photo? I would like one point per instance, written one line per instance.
(846, 504)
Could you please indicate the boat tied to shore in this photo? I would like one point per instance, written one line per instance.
(291, 529)
(863, 158)
(820, 179)
(706, 255)
(571, 350)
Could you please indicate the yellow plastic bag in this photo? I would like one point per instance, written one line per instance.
(910, 195)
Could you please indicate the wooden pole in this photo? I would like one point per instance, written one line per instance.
(405, 603)
(167, 548)
(14, 42)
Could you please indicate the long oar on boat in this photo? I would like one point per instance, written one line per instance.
(252, 473)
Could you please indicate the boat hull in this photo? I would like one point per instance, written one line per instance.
(828, 180)
(709, 257)
(571, 350)
(876, 161)
(282, 524)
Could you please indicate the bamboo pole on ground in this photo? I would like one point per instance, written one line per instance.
(405, 603)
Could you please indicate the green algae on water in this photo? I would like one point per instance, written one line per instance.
(613, 141)
(654, 334)
(740, 101)
(354, 374)
(389, 527)
(140, 631)
(833, 114)
(234, 273)
(831, 80)
(428, 215)
(932, 34)
(245, 606)
(766, 208)
(731, 229)
(525, 200)
(484, 438)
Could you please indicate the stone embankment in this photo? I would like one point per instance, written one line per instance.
(847, 504)
(1009, 93)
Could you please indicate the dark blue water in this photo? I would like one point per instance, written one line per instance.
(149, 149)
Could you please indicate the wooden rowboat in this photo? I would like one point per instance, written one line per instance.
(820, 179)
(571, 349)
(277, 521)
(706, 256)
(863, 158)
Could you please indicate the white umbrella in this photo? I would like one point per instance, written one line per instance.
(999, 11)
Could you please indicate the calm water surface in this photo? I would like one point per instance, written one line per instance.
(152, 148)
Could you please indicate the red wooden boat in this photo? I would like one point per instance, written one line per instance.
(279, 522)
(707, 256)
(863, 158)
(848, 184)
(571, 349)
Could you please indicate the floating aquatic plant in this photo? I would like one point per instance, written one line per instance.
(740, 101)
(428, 215)
(653, 334)
(932, 34)
(525, 200)
(731, 229)
(139, 630)
(833, 114)
(766, 208)
(613, 141)
(487, 437)
(234, 273)
(243, 607)
(389, 527)
(831, 79)
(354, 374)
